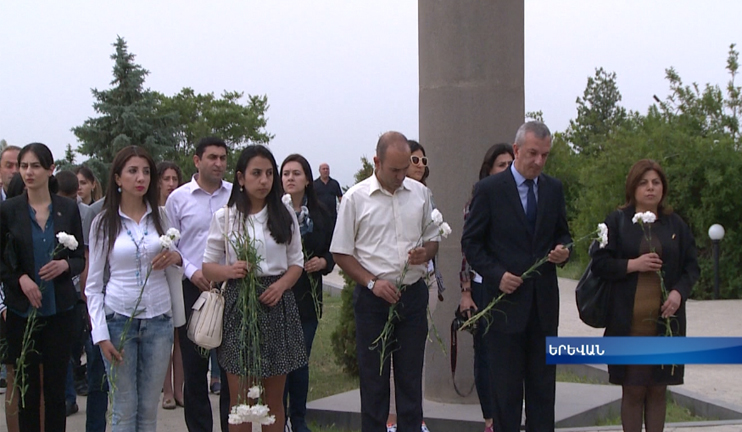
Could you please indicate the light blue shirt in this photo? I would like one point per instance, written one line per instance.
(520, 181)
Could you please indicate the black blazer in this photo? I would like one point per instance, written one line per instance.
(497, 239)
(679, 266)
(17, 256)
(316, 244)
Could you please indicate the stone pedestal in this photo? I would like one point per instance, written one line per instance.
(471, 96)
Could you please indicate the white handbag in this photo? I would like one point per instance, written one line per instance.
(205, 326)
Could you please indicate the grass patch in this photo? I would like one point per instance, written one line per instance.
(571, 377)
(572, 270)
(674, 414)
(326, 377)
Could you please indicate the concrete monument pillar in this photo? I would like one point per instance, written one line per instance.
(471, 96)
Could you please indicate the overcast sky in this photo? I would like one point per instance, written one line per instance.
(336, 73)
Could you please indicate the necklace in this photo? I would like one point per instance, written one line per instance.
(141, 249)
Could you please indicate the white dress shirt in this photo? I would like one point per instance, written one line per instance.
(190, 210)
(277, 258)
(379, 229)
(124, 286)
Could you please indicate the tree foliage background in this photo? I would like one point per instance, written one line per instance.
(693, 134)
(169, 127)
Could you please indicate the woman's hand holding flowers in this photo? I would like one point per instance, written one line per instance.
(315, 264)
(53, 269)
(238, 270)
(649, 262)
(31, 290)
(110, 352)
(165, 259)
(671, 305)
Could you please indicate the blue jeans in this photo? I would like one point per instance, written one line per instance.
(137, 381)
(297, 385)
(97, 389)
(215, 371)
(70, 395)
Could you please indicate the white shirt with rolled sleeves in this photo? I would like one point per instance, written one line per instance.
(190, 210)
(379, 229)
(277, 258)
(122, 289)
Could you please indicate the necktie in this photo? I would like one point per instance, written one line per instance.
(531, 205)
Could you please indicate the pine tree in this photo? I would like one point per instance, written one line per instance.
(129, 115)
(68, 162)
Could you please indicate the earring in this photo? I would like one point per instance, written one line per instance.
(119, 189)
(242, 188)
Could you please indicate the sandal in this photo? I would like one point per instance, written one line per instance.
(168, 404)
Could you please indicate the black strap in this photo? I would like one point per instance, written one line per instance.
(454, 355)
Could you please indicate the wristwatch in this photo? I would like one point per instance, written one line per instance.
(371, 283)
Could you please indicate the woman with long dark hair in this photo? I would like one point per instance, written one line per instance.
(315, 226)
(497, 159)
(257, 214)
(633, 261)
(137, 311)
(169, 178)
(37, 278)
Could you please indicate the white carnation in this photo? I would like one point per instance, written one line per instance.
(173, 233)
(645, 218)
(287, 200)
(66, 240)
(437, 217)
(166, 242)
(445, 229)
(603, 235)
(254, 392)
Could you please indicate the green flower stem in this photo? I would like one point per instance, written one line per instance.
(531, 272)
(249, 306)
(27, 343)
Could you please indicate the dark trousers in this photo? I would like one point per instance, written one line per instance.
(517, 361)
(481, 367)
(410, 332)
(197, 408)
(97, 404)
(52, 344)
(297, 385)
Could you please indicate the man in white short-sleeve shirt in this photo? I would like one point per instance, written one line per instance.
(189, 209)
(379, 228)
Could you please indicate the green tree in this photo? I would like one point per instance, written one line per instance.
(128, 115)
(344, 336)
(226, 117)
(598, 113)
(68, 161)
(3, 144)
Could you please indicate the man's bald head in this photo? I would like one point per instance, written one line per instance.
(391, 139)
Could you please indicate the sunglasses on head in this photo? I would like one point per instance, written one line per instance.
(417, 159)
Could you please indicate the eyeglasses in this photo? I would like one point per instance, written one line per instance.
(417, 159)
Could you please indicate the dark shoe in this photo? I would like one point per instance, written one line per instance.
(72, 408)
(216, 387)
(81, 387)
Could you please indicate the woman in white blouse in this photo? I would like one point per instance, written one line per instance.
(255, 209)
(124, 247)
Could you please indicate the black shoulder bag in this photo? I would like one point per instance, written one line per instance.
(592, 293)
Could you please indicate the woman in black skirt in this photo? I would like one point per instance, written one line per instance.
(255, 212)
(637, 305)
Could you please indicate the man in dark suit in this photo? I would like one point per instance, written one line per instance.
(517, 217)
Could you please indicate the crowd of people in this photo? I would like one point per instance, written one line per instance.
(124, 298)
